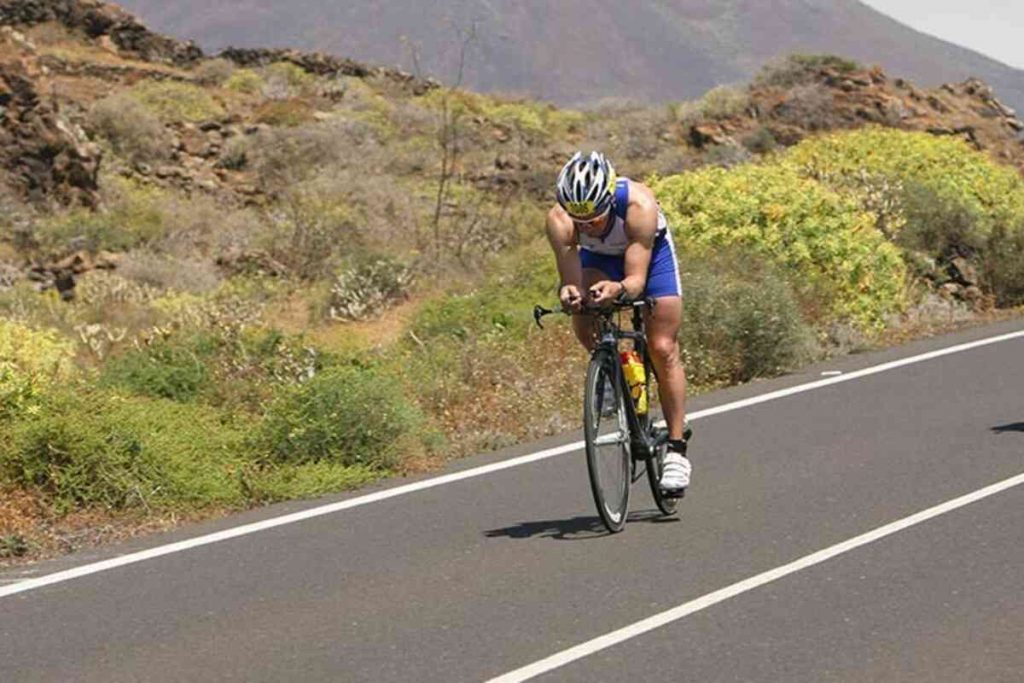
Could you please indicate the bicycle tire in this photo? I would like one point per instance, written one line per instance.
(668, 505)
(609, 460)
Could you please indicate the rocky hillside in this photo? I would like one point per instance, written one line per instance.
(582, 51)
(46, 90)
(87, 90)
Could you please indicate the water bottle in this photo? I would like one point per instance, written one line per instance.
(633, 369)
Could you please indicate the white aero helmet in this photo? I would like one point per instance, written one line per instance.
(586, 185)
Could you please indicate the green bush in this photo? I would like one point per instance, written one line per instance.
(269, 484)
(245, 81)
(760, 141)
(502, 307)
(161, 370)
(839, 265)
(134, 216)
(86, 448)
(174, 101)
(529, 118)
(740, 320)
(344, 415)
(1003, 264)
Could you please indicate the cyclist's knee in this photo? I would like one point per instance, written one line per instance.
(664, 348)
(586, 331)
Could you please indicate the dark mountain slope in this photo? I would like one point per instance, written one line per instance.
(575, 51)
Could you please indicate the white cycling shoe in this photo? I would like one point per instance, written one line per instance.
(675, 472)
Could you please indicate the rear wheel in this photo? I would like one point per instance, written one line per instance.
(606, 434)
(666, 504)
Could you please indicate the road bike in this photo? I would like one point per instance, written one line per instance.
(622, 440)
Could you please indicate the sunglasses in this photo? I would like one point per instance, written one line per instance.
(589, 221)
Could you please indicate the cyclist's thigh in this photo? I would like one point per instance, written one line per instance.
(664, 321)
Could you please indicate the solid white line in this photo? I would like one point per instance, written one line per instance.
(676, 613)
(235, 532)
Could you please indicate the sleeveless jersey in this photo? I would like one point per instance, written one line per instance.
(614, 241)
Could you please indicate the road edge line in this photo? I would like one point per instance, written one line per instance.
(235, 532)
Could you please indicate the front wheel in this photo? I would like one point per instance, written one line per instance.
(606, 435)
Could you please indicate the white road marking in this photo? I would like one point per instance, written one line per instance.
(606, 641)
(235, 532)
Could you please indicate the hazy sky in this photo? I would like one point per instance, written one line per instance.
(992, 27)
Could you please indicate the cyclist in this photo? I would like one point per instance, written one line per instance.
(611, 241)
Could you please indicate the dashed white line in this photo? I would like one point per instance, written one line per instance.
(235, 532)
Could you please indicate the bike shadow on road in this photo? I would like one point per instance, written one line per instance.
(574, 528)
(1011, 427)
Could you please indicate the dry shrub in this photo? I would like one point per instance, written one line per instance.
(132, 130)
(16, 225)
(724, 102)
(215, 71)
(100, 289)
(284, 112)
(721, 102)
(728, 155)
(760, 141)
(792, 70)
(283, 80)
(809, 106)
(167, 272)
(200, 226)
(307, 233)
(366, 290)
(284, 157)
(635, 139)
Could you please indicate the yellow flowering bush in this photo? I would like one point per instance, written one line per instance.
(934, 196)
(174, 101)
(840, 265)
(29, 361)
(947, 166)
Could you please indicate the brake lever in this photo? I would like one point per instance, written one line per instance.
(538, 313)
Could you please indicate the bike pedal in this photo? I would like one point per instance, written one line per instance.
(674, 494)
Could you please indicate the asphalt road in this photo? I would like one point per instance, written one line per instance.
(477, 578)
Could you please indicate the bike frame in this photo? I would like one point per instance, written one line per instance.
(642, 443)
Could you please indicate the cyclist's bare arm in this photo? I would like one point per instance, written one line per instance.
(562, 237)
(641, 229)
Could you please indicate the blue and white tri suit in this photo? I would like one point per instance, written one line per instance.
(607, 252)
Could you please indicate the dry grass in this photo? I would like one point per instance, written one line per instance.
(79, 52)
(26, 521)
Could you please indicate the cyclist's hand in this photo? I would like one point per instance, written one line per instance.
(571, 298)
(605, 292)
